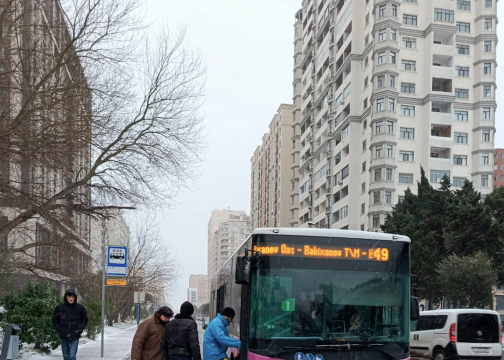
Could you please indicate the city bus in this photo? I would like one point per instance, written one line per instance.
(315, 294)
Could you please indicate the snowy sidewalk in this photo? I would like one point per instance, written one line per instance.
(117, 347)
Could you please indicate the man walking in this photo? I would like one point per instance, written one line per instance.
(70, 320)
(217, 340)
(147, 340)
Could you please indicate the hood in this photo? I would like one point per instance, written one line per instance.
(224, 321)
(71, 292)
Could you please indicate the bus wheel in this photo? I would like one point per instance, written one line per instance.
(439, 355)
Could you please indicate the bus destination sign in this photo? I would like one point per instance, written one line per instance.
(314, 251)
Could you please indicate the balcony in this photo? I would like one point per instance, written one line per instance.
(440, 154)
(442, 85)
(441, 136)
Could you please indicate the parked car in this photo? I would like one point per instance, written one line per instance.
(457, 334)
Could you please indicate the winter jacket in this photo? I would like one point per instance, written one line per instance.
(146, 341)
(181, 338)
(70, 320)
(217, 339)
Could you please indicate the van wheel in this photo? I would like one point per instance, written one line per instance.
(439, 355)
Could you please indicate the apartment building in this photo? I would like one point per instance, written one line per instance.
(271, 173)
(383, 88)
(227, 229)
(498, 168)
(197, 292)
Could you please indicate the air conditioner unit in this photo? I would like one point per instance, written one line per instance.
(329, 134)
(328, 172)
(329, 153)
(310, 187)
(328, 209)
(340, 182)
(328, 191)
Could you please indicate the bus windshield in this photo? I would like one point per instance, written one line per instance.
(326, 302)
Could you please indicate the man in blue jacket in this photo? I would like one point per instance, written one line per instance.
(217, 340)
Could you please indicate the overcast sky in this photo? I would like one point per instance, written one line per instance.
(248, 48)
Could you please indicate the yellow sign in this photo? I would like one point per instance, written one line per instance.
(347, 252)
(116, 282)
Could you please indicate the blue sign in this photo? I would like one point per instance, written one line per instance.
(299, 356)
(319, 357)
(308, 356)
(117, 260)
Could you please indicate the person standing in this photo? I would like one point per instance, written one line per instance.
(146, 341)
(70, 320)
(180, 340)
(217, 340)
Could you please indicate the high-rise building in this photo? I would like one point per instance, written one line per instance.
(498, 168)
(382, 89)
(227, 229)
(271, 173)
(197, 293)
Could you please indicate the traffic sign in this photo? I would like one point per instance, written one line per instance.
(116, 282)
(117, 260)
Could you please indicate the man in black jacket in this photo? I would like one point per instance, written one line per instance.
(70, 320)
(180, 340)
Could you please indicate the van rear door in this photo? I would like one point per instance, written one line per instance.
(478, 335)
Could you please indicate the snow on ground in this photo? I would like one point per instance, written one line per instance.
(117, 345)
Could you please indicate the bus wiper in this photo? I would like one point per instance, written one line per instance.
(287, 349)
(349, 346)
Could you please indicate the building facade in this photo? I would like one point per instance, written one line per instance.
(498, 168)
(227, 230)
(271, 173)
(382, 89)
(197, 292)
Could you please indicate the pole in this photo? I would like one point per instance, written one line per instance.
(104, 263)
(138, 308)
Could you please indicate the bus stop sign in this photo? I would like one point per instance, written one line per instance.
(117, 260)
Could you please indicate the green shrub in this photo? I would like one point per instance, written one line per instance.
(32, 310)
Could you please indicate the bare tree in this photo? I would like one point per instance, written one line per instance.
(152, 268)
(94, 115)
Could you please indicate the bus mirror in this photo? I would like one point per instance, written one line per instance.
(414, 308)
(242, 273)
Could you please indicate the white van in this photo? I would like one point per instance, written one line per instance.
(457, 334)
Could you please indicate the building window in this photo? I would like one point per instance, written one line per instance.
(382, 35)
(407, 133)
(364, 166)
(392, 81)
(390, 151)
(362, 208)
(392, 57)
(458, 181)
(406, 178)
(393, 34)
(462, 71)
(376, 197)
(409, 43)
(437, 175)
(388, 174)
(365, 104)
(485, 135)
(380, 81)
(487, 91)
(443, 15)
(484, 180)
(460, 138)
(364, 146)
(409, 19)
(460, 115)
(487, 46)
(378, 151)
(463, 27)
(391, 104)
(486, 113)
(362, 227)
(380, 104)
(488, 24)
(390, 127)
(376, 221)
(367, 19)
(408, 65)
(411, 1)
(463, 5)
(363, 188)
(378, 127)
(377, 175)
(394, 10)
(487, 68)
(407, 88)
(459, 159)
(381, 58)
(407, 110)
(366, 62)
(462, 49)
(462, 93)
(485, 159)
(388, 197)
(382, 10)
(406, 156)
(488, 3)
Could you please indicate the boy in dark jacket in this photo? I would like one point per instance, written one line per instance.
(70, 320)
(180, 340)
